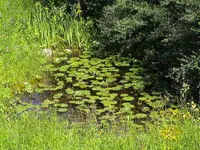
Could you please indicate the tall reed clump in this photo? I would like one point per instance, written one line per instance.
(52, 24)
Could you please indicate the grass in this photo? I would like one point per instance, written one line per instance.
(20, 56)
(53, 24)
(48, 132)
(25, 29)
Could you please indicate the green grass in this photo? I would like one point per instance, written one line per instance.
(20, 56)
(41, 133)
(22, 36)
(25, 29)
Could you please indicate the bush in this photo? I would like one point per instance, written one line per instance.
(163, 34)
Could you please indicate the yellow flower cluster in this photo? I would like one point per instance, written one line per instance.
(170, 133)
(187, 115)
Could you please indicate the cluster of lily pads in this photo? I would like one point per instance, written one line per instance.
(110, 88)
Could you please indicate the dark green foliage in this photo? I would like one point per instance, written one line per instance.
(164, 34)
(130, 28)
(90, 8)
(93, 8)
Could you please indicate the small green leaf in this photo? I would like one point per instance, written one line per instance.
(128, 98)
(140, 116)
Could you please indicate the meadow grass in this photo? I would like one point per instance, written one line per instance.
(25, 29)
(42, 132)
(23, 32)
(20, 56)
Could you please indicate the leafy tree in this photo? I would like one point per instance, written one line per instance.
(163, 34)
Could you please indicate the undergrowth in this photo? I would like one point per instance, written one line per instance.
(20, 59)
(42, 131)
(26, 28)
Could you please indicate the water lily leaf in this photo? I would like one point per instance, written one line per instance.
(103, 93)
(85, 56)
(39, 90)
(64, 68)
(154, 98)
(75, 59)
(82, 70)
(63, 58)
(72, 74)
(128, 98)
(123, 81)
(154, 115)
(122, 64)
(110, 80)
(59, 75)
(105, 84)
(92, 101)
(94, 97)
(99, 78)
(70, 91)
(124, 95)
(113, 95)
(60, 83)
(63, 105)
(72, 102)
(140, 116)
(53, 89)
(101, 110)
(69, 79)
(134, 69)
(97, 88)
(47, 102)
(116, 75)
(143, 98)
(59, 87)
(117, 88)
(58, 95)
(82, 85)
(128, 105)
(87, 66)
(74, 65)
(145, 109)
(82, 93)
(128, 85)
(95, 82)
(144, 94)
(156, 104)
(79, 102)
(57, 60)
(127, 78)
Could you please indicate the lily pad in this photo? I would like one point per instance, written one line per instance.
(140, 116)
(70, 91)
(128, 98)
(58, 95)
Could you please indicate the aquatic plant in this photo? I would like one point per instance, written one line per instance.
(111, 88)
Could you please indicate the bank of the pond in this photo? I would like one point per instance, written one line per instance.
(43, 132)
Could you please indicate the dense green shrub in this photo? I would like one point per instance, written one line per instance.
(161, 33)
